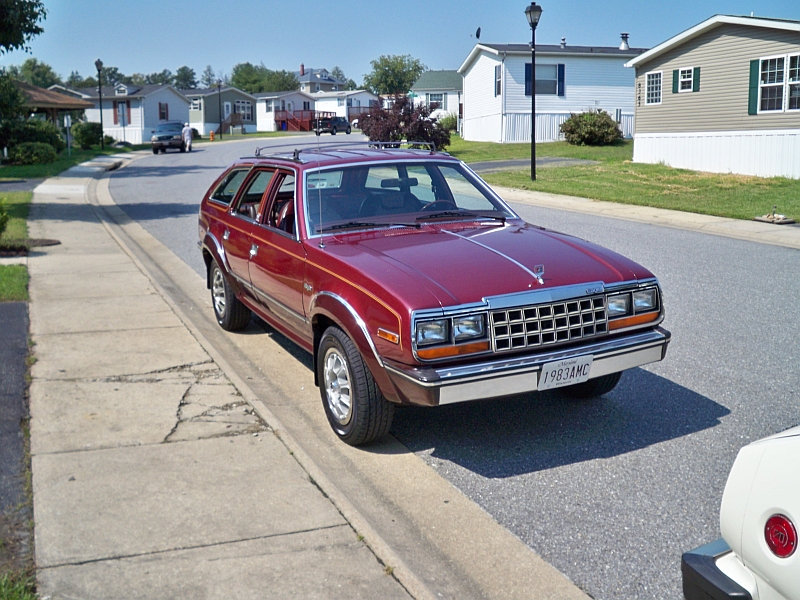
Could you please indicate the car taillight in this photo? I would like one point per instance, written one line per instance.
(781, 536)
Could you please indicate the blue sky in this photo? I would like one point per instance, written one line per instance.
(146, 36)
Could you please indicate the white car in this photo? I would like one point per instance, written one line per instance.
(757, 557)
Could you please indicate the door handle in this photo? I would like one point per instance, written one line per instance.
(253, 250)
(226, 235)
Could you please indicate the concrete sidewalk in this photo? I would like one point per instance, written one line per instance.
(152, 477)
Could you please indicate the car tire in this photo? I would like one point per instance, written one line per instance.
(183, 147)
(347, 131)
(356, 410)
(155, 150)
(231, 314)
(317, 132)
(333, 131)
(592, 388)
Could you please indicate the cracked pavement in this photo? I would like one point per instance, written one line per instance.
(152, 476)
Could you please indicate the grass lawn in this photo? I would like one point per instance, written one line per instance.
(17, 587)
(617, 179)
(62, 163)
(13, 283)
(14, 278)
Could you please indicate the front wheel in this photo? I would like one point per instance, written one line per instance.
(155, 150)
(593, 387)
(333, 131)
(356, 410)
(230, 312)
(347, 131)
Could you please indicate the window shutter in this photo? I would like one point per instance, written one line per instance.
(159, 111)
(116, 113)
(128, 111)
(166, 110)
(528, 71)
(752, 102)
(675, 81)
(696, 79)
(561, 91)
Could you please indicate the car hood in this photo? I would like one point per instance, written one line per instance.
(460, 263)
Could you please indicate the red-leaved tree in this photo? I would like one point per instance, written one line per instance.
(404, 121)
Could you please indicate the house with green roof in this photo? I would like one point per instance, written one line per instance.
(440, 91)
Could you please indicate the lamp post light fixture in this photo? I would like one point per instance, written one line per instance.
(219, 105)
(99, 64)
(533, 13)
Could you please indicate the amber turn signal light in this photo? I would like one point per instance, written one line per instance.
(631, 321)
(445, 351)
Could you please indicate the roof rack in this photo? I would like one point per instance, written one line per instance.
(321, 149)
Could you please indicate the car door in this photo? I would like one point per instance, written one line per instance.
(277, 265)
(241, 222)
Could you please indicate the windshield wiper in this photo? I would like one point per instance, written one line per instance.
(364, 225)
(461, 214)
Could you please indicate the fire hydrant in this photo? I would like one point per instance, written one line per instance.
(212, 136)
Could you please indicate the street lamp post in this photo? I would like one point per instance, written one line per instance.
(219, 105)
(533, 13)
(99, 64)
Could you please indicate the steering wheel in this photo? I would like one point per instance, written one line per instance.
(440, 205)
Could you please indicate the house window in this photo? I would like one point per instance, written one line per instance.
(793, 94)
(340, 101)
(316, 87)
(196, 104)
(549, 80)
(498, 70)
(771, 84)
(685, 79)
(163, 111)
(306, 105)
(653, 89)
(244, 108)
(268, 106)
(436, 101)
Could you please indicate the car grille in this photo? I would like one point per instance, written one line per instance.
(548, 324)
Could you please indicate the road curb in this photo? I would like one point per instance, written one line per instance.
(102, 207)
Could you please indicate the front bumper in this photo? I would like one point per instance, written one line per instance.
(167, 143)
(513, 375)
(702, 578)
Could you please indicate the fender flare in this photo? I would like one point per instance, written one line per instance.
(343, 315)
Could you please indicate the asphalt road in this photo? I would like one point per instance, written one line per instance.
(610, 491)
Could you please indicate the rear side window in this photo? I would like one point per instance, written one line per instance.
(227, 189)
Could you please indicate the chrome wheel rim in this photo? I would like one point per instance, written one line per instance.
(218, 292)
(337, 386)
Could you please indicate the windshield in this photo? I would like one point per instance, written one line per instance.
(391, 194)
(165, 127)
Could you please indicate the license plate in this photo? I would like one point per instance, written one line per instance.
(569, 371)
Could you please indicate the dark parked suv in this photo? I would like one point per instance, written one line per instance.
(331, 125)
(168, 135)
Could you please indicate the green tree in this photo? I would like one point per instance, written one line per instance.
(280, 81)
(19, 22)
(207, 78)
(349, 84)
(164, 77)
(37, 73)
(185, 79)
(248, 77)
(12, 102)
(394, 74)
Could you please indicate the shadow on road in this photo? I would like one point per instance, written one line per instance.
(538, 431)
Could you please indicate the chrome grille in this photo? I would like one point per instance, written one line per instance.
(548, 324)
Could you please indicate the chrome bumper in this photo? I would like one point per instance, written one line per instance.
(520, 374)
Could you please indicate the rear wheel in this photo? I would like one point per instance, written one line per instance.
(230, 312)
(593, 387)
(354, 405)
(333, 131)
(347, 131)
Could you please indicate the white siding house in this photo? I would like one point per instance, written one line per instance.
(569, 79)
(345, 104)
(439, 91)
(130, 112)
(269, 103)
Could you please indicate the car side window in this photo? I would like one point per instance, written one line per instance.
(280, 213)
(226, 190)
(424, 190)
(250, 200)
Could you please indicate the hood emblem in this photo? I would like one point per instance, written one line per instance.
(538, 273)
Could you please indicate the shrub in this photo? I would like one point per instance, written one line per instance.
(108, 140)
(32, 153)
(13, 133)
(593, 128)
(3, 216)
(402, 121)
(87, 134)
(449, 122)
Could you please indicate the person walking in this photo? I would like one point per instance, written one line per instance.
(186, 132)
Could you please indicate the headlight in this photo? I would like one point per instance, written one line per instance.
(176, 137)
(619, 305)
(468, 327)
(433, 332)
(153, 139)
(644, 300)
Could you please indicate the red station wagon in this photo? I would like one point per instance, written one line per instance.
(412, 282)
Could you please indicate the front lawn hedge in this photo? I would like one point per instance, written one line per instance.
(32, 153)
(593, 128)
